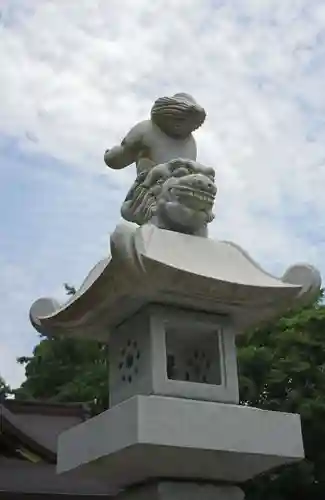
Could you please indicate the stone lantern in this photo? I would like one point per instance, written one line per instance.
(170, 302)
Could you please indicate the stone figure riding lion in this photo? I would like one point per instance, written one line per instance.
(172, 190)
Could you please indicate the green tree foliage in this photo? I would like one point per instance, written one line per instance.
(66, 370)
(282, 368)
(4, 389)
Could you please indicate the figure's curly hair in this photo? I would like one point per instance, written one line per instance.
(166, 108)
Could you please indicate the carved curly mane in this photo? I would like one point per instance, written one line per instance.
(141, 201)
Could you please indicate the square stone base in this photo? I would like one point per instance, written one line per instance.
(150, 437)
(182, 491)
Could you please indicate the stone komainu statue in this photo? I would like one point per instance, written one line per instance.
(163, 139)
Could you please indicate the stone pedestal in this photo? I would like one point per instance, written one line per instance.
(148, 437)
(182, 491)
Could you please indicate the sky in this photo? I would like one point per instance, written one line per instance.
(75, 75)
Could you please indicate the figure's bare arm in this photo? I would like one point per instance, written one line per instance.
(127, 153)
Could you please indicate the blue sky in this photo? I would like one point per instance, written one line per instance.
(75, 76)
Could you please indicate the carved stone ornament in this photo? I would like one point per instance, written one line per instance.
(164, 149)
(177, 195)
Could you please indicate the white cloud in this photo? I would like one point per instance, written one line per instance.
(76, 75)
